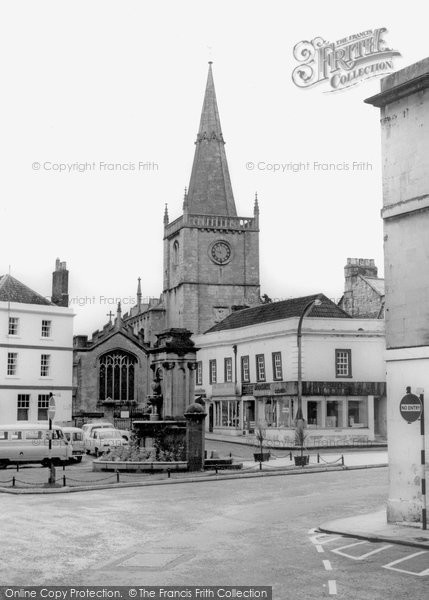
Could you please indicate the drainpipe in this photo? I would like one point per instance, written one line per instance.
(240, 405)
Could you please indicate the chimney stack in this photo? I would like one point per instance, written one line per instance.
(60, 284)
(358, 266)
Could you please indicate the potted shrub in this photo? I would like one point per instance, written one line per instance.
(261, 456)
(300, 436)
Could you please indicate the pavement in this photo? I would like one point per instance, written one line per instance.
(320, 460)
(31, 479)
(375, 528)
(250, 440)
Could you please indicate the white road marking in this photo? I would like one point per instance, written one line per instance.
(339, 550)
(362, 556)
(332, 586)
(395, 562)
(319, 548)
(324, 538)
(374, 551)
(327, 565)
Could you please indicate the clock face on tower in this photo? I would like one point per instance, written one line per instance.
(220, 252)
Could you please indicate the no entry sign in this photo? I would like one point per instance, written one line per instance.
(410, 407)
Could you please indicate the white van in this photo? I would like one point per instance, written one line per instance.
(22, 443)
(74, 436)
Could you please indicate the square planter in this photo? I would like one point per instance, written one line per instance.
(264, 457)
(301, 461)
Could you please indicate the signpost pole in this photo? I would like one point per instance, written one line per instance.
(423, 463)
(51, 415)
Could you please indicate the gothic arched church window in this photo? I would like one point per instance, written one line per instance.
(116, 376)
(176, 253)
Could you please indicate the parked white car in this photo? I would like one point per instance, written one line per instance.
(102, 439)
(89, 428)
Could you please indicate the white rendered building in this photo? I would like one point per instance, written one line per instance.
(36, 350)
(248, 373)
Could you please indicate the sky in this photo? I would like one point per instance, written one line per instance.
(102, 82)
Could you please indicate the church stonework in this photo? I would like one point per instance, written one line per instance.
(211, 256)
(211, 268)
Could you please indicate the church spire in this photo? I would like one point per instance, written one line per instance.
(139, 294)
(256, 210)
(166, 215)
(118, 320)
(210, 190)
(185, 200)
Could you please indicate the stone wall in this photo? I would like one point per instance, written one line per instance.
(85, 374)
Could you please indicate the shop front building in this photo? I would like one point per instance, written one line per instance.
(248, 374)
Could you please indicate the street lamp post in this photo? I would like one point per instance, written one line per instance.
(307, 309)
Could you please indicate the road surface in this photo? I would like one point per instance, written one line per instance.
(239, 532)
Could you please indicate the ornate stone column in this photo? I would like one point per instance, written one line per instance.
(175, 353)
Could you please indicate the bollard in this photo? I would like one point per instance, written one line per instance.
(17, 467)
(342, 459)
(216, 470)
(64, 481)
(168, 473)
(230, 455)
(117, 476)
(318, 457)
(290, 455)
(13, 481)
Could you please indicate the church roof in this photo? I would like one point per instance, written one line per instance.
(210, 190)
(284, 309)
(12, 290)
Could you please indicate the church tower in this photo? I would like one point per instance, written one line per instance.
(211, 256)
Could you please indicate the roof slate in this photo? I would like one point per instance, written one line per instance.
(284, 309)
(12, 290)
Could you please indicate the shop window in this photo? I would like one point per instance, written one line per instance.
(357, 413)
(270, 413)
(227, 413)
(334, 413)
(314, 413)
(285, 413)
